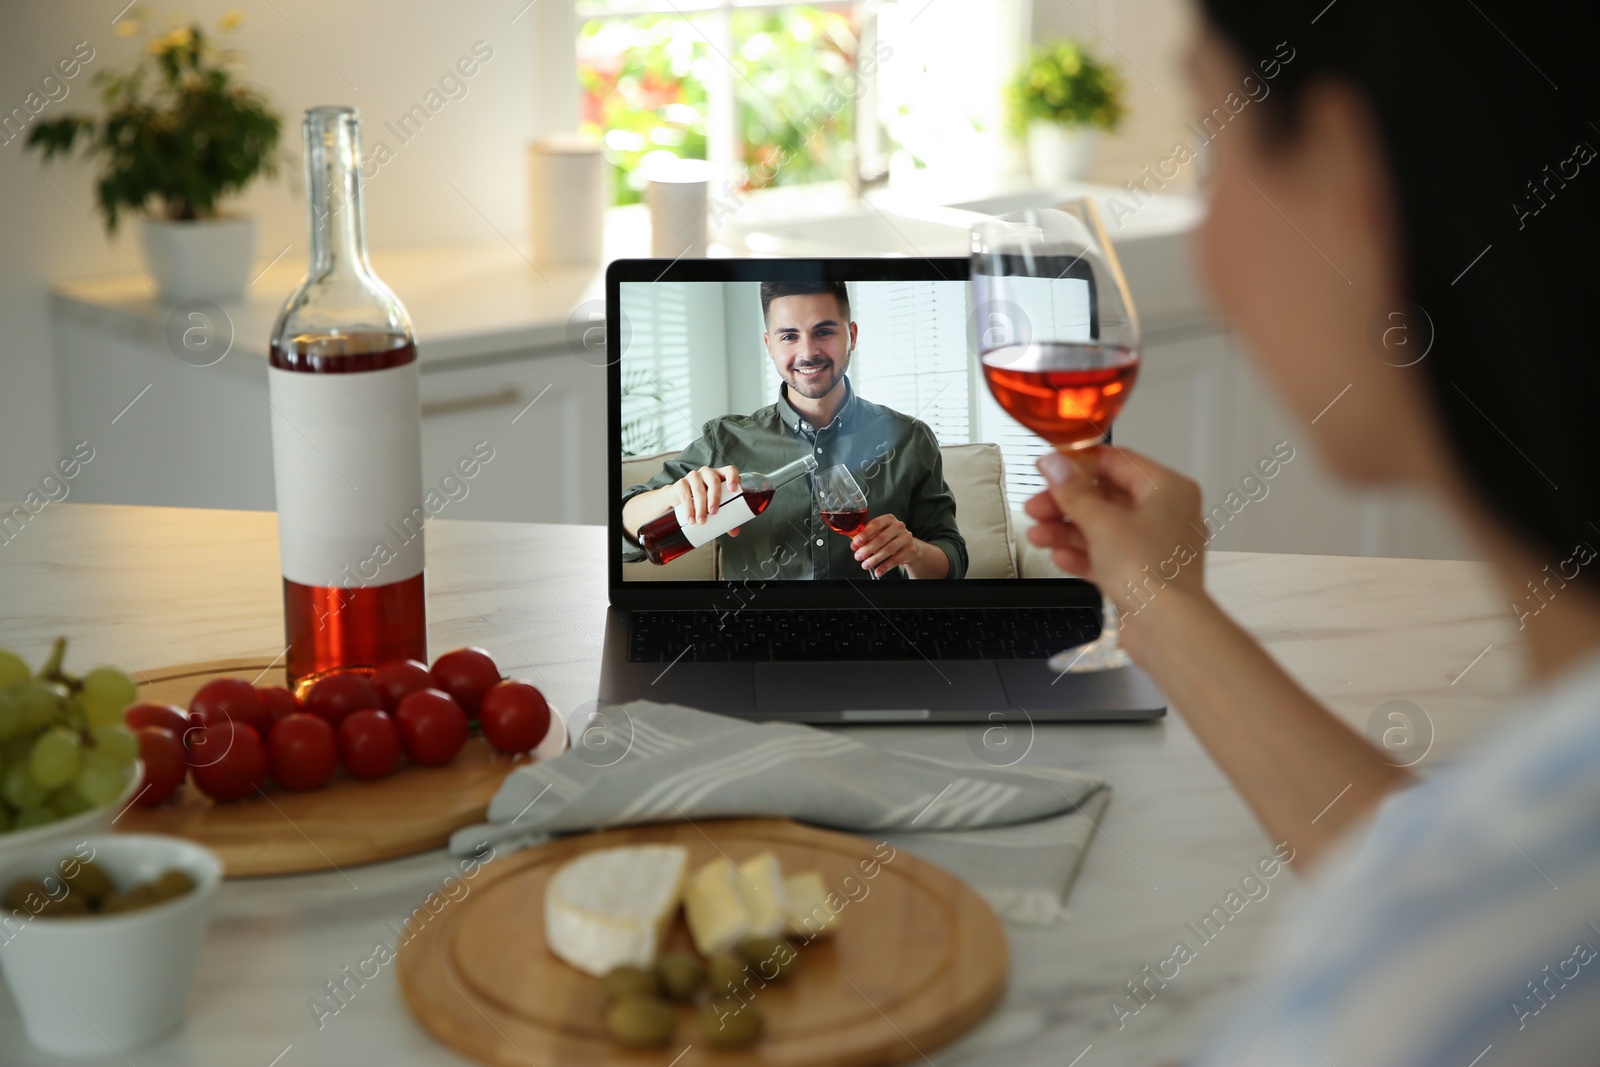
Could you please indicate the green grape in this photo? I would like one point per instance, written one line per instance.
(11, 723)
(38, 702)
(15, 749)
(19, 788)
(116, 745)
(35, 816)
(71, 712)
(56, 758)
(13, 668)
(98, 784)
(68, 801)
(105, 693)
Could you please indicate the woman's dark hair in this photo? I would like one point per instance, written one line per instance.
(1487, 110)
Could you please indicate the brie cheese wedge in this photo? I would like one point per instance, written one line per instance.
(609, 908)
(714, 908)
(762, 893)
(809, 913)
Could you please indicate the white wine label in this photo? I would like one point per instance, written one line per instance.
(730, 513)
(347, 468)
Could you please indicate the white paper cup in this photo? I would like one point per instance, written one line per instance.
(104, 986)
(566, 201)
(676, 191)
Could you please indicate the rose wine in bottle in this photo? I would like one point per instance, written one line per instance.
(666, 537)
(346, 436)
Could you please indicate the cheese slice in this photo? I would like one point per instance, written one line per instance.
(611, 907)
(714, 908)
(762, 893)
(809, 914)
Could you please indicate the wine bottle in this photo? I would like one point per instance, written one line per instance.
(666, 537)
(346, 436)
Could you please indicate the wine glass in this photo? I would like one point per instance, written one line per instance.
(1058, 341)
(842, 503)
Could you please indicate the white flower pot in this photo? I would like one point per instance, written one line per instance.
(1059, 154)
(200, 257)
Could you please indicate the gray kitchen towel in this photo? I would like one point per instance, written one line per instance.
(1015, 834)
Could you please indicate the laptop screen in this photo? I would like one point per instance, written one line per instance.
(843, 426)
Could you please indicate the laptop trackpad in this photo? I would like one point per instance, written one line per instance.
(950, 685)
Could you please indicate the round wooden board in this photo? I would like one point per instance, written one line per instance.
(918, 959)
(347, 822)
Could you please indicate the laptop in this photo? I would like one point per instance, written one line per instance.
(865, 365)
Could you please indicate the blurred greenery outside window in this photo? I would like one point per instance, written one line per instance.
(648, 84)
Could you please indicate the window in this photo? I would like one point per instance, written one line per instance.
(771, 91)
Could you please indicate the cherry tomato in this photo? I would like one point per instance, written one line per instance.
(432, 726)
(369, 743)
(466, 674)
(514, 716)
(337, 695)
(397, 678)
(279, 702)
(227, 764)
(166, 716)
(302, 752)
(229, 698)
(161, 750)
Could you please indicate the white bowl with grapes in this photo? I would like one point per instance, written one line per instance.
(68, 765)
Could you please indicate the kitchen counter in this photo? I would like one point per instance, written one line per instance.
(143, 587)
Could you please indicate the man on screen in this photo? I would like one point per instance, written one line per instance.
(912, 531)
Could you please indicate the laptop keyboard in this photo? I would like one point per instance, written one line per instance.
(858, 633)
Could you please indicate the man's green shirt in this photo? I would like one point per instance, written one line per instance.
(894, 457)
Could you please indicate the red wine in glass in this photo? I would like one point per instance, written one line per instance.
(849, 522)
(1066, 392)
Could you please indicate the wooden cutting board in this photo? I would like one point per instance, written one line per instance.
(919, 958)
(347, 822)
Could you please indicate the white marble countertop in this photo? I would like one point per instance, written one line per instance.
(146, 587)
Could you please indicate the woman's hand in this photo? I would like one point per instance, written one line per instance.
(1122, 521)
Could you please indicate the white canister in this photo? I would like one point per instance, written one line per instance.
(566, 201)
(676, 192)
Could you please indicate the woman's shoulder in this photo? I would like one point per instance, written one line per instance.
(1463, 916)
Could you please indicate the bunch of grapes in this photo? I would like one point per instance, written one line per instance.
(63, 747)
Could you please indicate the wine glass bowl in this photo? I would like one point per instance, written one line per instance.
(1058, 342)
(1067, 393)
(841, 502)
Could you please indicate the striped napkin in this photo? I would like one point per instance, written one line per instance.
(1015, 834)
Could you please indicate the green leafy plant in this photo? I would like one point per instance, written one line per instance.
(1065, 84)
(644, 78)
(177, 146)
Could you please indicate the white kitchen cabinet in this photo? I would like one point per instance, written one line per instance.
(201, 436)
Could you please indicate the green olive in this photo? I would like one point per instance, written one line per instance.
(621, 982)
(172, 884)
(17, 897)
(641, 1021)
(771, 959)
(680, 975)
(727, 1022)
(724, 973)
(88, 879)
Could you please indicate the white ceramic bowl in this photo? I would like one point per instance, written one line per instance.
(103, 986)
(73, 829)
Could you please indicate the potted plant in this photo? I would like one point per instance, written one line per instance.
(1059, 101)
(178, 135)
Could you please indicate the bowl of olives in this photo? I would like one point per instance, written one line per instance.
(108, 928)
